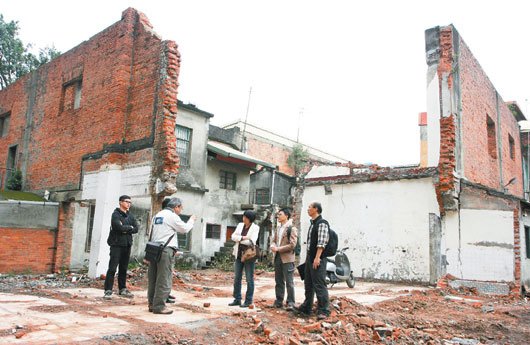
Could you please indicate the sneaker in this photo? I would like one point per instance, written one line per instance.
(108, 294)
(126, 293)
(245, 305)
(290, 307)
(235, 302)
(171, 297)
(169, 300)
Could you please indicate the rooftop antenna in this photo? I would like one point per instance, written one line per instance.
(245, 123)
(299, 124)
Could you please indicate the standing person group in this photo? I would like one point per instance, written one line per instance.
(167, 223)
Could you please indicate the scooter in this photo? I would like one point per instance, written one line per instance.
(338, 269)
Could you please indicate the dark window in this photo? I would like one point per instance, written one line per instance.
(492, 140)
(90, 227)
(71, 95)
(11, 162)
(4, 124)
(527, 241)
(184, 239)
(227, 180)
(512, 146)
(262, 196)
(183, 135)
(213, 231)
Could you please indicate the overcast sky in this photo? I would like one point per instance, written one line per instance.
(354, 70)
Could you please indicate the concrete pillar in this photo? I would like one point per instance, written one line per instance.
(107, 195)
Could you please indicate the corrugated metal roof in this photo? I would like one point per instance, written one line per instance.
(227, 151)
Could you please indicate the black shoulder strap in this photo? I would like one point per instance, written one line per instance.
(151, 234)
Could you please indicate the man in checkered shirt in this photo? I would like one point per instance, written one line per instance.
(315, 264)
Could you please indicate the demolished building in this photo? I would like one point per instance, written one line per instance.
(459, 211)
(94, 123)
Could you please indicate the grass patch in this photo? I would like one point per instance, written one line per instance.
(17, 195)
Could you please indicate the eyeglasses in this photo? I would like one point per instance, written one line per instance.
(127, 201)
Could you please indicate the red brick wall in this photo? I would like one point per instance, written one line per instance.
(480, 101)
(272, 153)
(26, 250)
(123, 92)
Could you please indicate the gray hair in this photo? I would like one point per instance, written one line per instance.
(174, 202)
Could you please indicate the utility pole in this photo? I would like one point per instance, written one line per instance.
(299, 124)
(245, 123)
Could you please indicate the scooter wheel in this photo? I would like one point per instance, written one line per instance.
(351, 281)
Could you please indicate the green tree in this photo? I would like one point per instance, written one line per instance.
(15, 181)
(298, 158)
(15, 57)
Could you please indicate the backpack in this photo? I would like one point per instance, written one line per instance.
(297, 247)
(333, 243)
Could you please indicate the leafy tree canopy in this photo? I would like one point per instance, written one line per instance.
(15, 57)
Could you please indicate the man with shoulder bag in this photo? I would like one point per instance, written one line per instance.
(282, 246)
(315, 265)
(166, 224)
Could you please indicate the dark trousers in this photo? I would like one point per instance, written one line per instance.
(283, 276)
(248, 267)
(119, 256)
(315, 283)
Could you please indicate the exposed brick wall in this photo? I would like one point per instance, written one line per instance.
(26, 250)
(481, 101)
(270, 152)
(128, 79)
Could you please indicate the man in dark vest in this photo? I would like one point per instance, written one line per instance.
(315, 264)
(123, 225)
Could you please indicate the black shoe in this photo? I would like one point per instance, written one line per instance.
(234, 302)
(302, 310)
(245, 305)
(171, 297)
(169, 300)
(276, 304)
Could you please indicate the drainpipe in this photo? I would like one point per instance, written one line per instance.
(272, 188)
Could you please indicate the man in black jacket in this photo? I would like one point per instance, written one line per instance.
(123, 225)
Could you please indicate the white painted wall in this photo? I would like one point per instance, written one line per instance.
(385, 224)
(433, 122)
(78, 256)
(486, 245)
(327, 171)
(220, 204)
(525, 261)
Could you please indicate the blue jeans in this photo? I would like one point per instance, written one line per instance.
(249, 276)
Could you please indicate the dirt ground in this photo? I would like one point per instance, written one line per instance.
(424, 316)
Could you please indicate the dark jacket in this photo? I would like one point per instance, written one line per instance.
(314, 236)
(122, 226)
